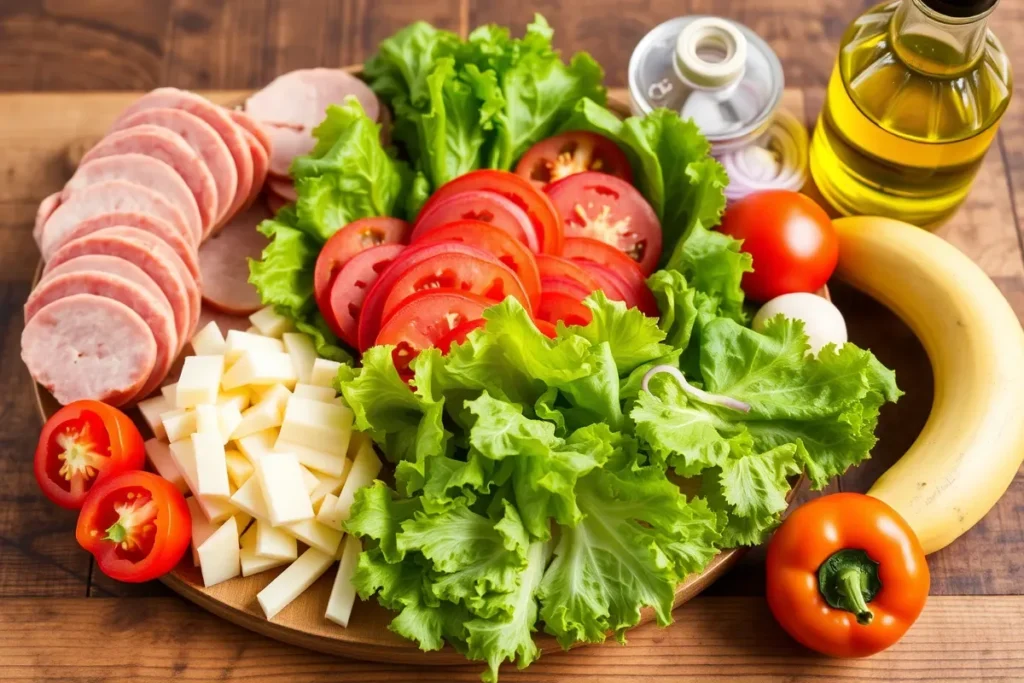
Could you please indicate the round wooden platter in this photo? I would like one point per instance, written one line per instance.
(367, 637)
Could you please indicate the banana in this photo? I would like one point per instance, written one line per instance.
(973, 442)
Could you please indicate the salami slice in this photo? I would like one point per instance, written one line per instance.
(85, 346)
(43, 213)
(224, 261)
(259, 146)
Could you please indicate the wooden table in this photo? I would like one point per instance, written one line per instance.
(61, 620)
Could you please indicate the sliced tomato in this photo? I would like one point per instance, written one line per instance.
(136, 525)
(611, 210)
(350, 286)
(459, 334)
(566, 286)
(586, 249)
(612, 284)
(555, 306)
(425, 319)
(546, 328)
(545, 219)
(372, 314)
(577, 151)
(500, 244)
(478, 205)
(557, 266)
(82, 444)
(353, 238)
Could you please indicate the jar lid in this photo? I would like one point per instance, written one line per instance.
(961, 9)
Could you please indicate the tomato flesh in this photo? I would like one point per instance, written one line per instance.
(601, 253)
(546, 328)
(614, 287)
(350, 286)
(610, 210)
(459, 334)
(478, 205)
(559, 267)
(577, 151)
(555, 306)
(425, 319)
(566, 286)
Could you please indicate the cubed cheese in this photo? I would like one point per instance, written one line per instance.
(365, 468)
(327, 463)
(266, 414)
(316, 535)
(179, 424)
(343, 594)
(249, 498)
(211, 466)
(170, 392)
(329, 484)
(327, 511)
(251, 562)
(312, 391)
(239, 469)
(260, 368)
(320, 426)
(228, 419)
(252, 329)
(293, 581)
(270, 323)
(202, 528)
(309, 479)
(284, 490)
(243, 518)
(206, 419)
(152, 409)
(240, 398)
(158, 454)
(240, 343)
(199, 381)
(219, 554)
(275, 542)
(300, 347)
(184, 456)
(258, 445)
(209, 341)
(324, 372)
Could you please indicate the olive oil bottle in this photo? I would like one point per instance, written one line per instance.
(913, 104)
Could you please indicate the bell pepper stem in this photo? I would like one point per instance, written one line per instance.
(851, 585)
(848, 580)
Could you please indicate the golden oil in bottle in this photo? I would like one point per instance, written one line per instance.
(913, 104)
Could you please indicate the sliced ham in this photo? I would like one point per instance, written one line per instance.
(142, 170)
(224, 262)
(275, 202)
(43, 213)
(288, 143)
(283, 188)
(170, 148)
(85, 346)
(259, 147)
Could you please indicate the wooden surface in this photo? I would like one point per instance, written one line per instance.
(49, 629)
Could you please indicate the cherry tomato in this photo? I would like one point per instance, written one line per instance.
(425, 319)
(546, 222)
(546, 328)
(611, 210)
(464, 273)
(791, 240)
(83, 444)
(577, 151)
(503, 246)
(459, 334)
(565, 285)
(557, 266)
(136, 525)
(612, 284)
(477, 205)
(347, 242)
(350, 286)
(555, 306)
(585, 249)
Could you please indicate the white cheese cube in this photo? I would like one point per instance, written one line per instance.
(260, 368)
(199, 381)
(239, 469)
(284, 490)
(328, 485)
(242, 518)
(252, 329)
(312, 391)
(293, 581)
(206, 419)
(251, 562)
(240, 398)
(170, 392)
(327, 463)
(270, 323)
(328, 509)
(249, 499)
(211, 466)
(219, 554)
(258, 445)
(202, 528)
(179, 424)
(152, 409)
(309, 479)
(324, 372)
(343, 594)
(365, 468)
(316, 535)
(158, 454)
(320, 426)
(275, 542)
(228, 420)
(240, 343)
(184, 456)
(300, 347)
(266, 414)
(209, 341)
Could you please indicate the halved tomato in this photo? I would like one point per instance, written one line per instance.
(464, 273)
(500, 244)
(608, 256)
(555, 306)
(577, 151)
(612, 284)
(477, 205)
(566, 286)
(459, 334)
(546, 328)
(347, 242)
(611, 210)
(350, 287)
(545, 219)
(557, 266)
(425, 319)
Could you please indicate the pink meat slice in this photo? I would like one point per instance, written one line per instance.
(288, 143)
(108, 197)
(142, 170)
(170, 148)
(283, 188)
(159, 320)
(259, 152)
(43, 213)
(203, 139)
(224, 261)
(172, 98)
(300, 98)
(85, 346)
(275, 202)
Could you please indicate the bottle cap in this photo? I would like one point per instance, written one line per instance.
(711, 53)
(961, 9)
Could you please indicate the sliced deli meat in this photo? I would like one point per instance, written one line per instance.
(260, 148)
(142, 170)
(114, 266)
(170, 148)
(43, 213)
(85, 346)
(224, 262)
(288, 142)
(283, 188)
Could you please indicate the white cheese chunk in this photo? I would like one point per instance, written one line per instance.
(300, 347)
(312, 391)
(324, 372)
(316, 535)
(293, 581)
(211, 465)
(199, 381)
(228, 420)
(309, 479)
(270, 323)
(327, 463)
(249, 498)
(260, 368)
(179, 424)
(265, 414)
(243, 518)
(170, 392)
(275, 542)
(343, 593)
(327, 511)
(284, 489)
(240, 398)
(252, 329)
(365, 468)
(209, 341)
(206, 419)
(158, 454)
(321, 426)
(328, 485)
(239, 469)
(258, 445)
(219, 554)
(202, 528)
(152, 409)
(251, 562)
(184, 456)
(241, 343)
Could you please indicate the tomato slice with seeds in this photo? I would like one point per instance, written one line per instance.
(557, 266)
(482, 206)
(610, 210)
(350, 286)
(555, 306)
(496, 242)
(585, 249)
(577, 151)
(459, 334)
(83, 444)
(566, 286)
(136, 525)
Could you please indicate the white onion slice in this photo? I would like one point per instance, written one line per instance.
(699, 394)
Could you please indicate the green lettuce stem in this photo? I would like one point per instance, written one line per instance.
(699, 394)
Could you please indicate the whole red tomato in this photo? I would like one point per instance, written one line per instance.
(789, 237)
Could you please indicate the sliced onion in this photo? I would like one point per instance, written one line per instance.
(699, 394)
(776, 161)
